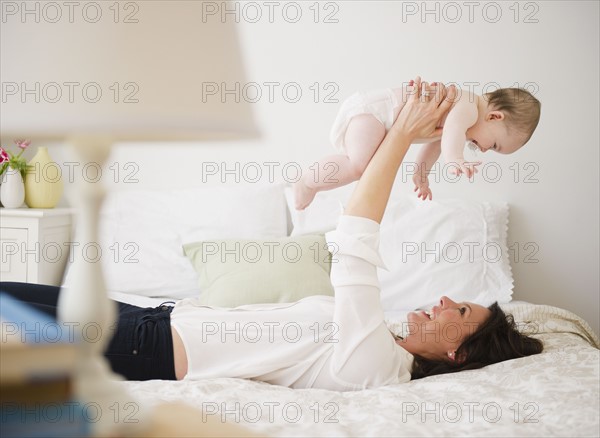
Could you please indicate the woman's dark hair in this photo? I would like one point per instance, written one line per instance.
(496, 340)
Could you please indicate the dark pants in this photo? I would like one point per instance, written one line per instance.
(142, 345)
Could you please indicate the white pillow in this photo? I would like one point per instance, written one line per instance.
(142, 232)
(451, 247)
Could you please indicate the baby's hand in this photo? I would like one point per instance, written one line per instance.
(459, 165)
(422, 185)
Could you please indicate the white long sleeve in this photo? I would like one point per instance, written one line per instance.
(365, 342)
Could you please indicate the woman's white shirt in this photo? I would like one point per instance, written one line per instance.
(340, 343)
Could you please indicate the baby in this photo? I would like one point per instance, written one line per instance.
(501, 121)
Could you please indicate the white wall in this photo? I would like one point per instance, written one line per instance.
(375, 45)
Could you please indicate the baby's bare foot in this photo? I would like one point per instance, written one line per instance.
(303, 195)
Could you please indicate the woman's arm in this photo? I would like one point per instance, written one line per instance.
(418, 119)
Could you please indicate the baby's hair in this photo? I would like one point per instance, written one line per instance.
(521, 109)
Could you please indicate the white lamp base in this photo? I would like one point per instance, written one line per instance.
(85, 307)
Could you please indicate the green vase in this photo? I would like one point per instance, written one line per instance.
(43, 181)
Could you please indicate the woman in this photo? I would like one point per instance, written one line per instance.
(339, 343)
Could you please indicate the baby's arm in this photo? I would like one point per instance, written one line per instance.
(460, 118)
(426, 158)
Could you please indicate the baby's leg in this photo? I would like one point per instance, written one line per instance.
(362, 138)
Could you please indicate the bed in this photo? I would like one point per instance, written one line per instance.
(555, 393)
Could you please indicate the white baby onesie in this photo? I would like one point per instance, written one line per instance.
(382, 103)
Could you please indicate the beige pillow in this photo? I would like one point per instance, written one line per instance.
(279, 270)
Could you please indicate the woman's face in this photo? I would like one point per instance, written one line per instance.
(438, 335)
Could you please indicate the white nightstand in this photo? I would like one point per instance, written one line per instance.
(34, 244)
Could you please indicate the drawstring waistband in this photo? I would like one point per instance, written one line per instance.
(140, 332)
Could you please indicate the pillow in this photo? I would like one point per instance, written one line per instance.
(142, 231)
(238, 272)
(450, 247)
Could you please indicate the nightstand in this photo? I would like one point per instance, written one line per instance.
(34, 244)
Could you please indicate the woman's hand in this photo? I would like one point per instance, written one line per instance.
(424, 109)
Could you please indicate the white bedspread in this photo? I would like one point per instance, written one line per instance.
(555, 393)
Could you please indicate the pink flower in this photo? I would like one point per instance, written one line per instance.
(23, 143)
(3, 156)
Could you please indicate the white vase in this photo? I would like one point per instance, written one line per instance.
(12, 191)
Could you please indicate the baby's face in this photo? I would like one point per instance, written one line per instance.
(490, 133)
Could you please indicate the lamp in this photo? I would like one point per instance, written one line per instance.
(102, 72)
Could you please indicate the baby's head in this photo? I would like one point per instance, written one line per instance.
(508, 122)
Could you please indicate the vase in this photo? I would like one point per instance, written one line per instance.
(43, 181)
(12, 190)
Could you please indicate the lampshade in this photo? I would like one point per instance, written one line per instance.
(144, 70)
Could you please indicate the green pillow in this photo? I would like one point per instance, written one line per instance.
(279, 270)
